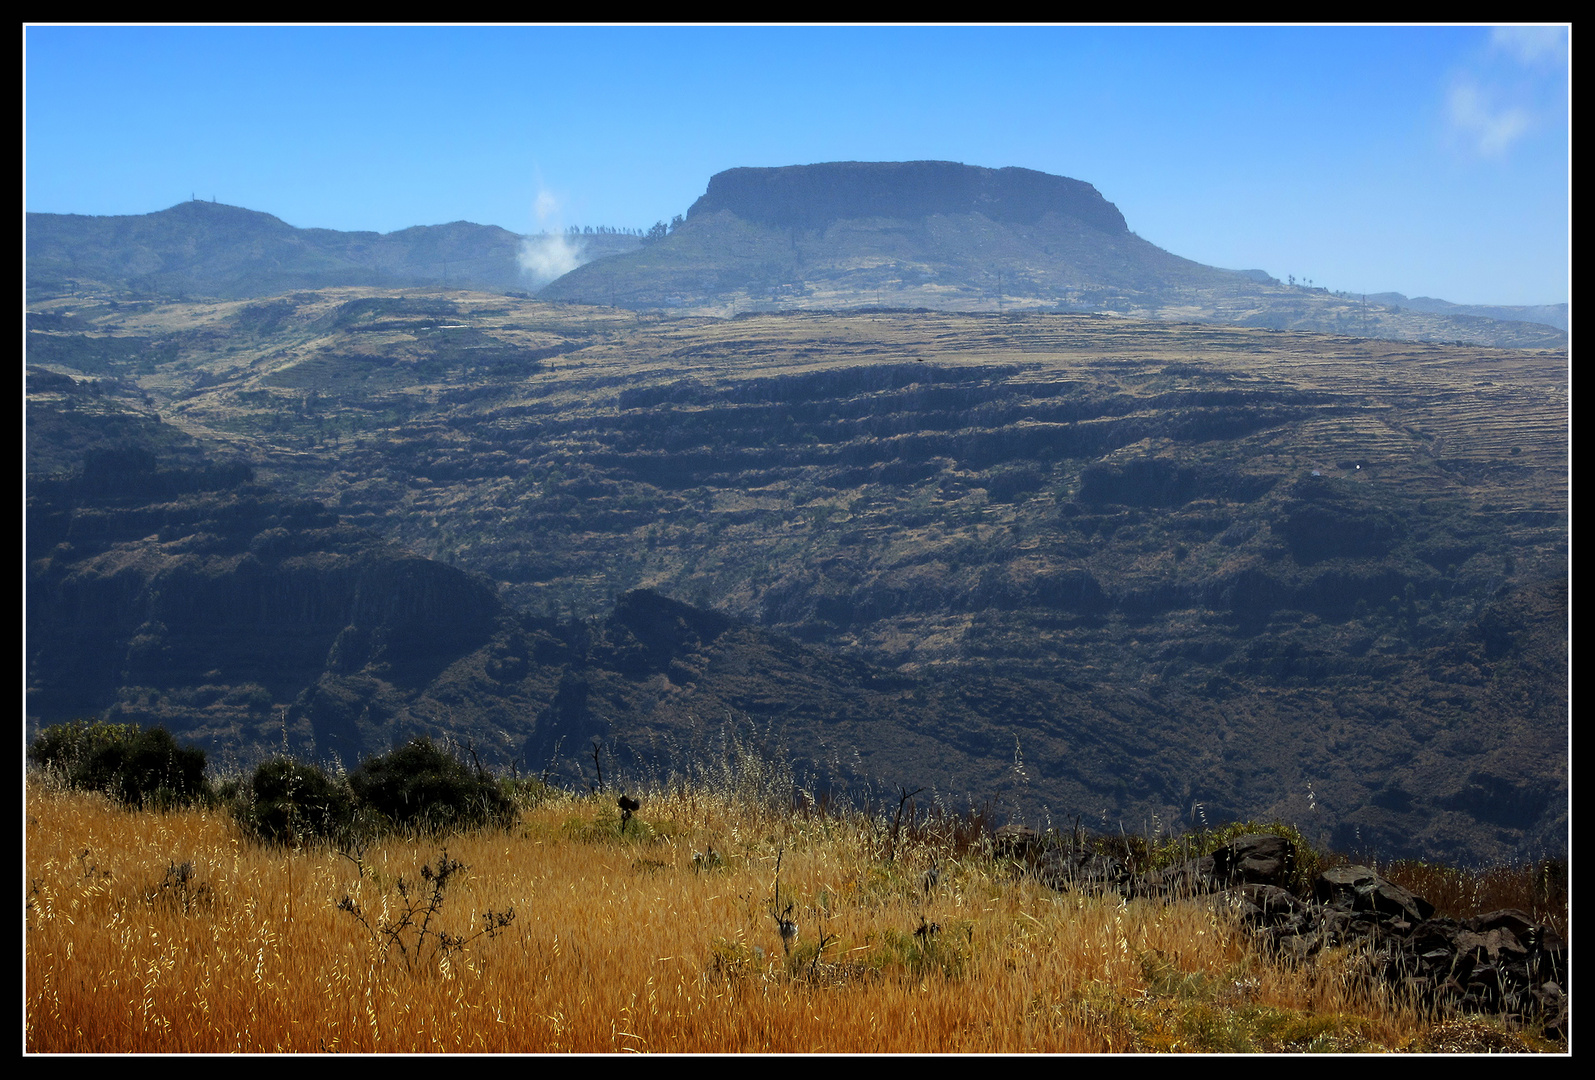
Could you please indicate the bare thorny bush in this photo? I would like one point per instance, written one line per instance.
(181, 888)
(412, 930)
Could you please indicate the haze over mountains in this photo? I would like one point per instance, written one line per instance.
(1062, 563)
(1549, 314)
(930, 234)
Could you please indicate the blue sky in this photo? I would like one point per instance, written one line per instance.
(1428, 160)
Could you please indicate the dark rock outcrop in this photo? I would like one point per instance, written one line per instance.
(1503, 962)
(1255, 859)
(1359, 889)
(1017, 842)
(1083, 871)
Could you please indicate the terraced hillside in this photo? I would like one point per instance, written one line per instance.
(1141, 567)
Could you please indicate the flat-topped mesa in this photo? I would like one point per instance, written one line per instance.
(813, 196)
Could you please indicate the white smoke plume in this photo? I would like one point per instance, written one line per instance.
(550, 253)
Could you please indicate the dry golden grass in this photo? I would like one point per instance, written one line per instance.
(629, 943)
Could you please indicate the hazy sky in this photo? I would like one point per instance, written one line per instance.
(1428, 160)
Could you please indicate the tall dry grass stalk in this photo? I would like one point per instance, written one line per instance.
(172, 933)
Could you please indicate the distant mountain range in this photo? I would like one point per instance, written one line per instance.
(1549, 314)
(953, 237)
(213, 250)
(836, 236)
(923, 233)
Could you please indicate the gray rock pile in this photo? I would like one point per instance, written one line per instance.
(1502, 962)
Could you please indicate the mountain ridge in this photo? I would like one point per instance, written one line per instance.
(213, 249)
(948, 236)
(833, 236)
(1556, 315)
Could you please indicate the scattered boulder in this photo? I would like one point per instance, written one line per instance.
(1502, 962)
(1358, 888)
(1082, 871)
(1256, 859)
(1193, 877)
(1018, 842)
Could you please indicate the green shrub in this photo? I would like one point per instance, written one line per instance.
(63, 748)
(136, 767)
(421, 786)
(289, 802)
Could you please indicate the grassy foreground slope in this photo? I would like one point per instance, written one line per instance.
(170, 933)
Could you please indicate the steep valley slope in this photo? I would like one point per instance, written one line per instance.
(1140, 572)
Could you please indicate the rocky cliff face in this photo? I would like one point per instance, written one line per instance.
(814, 196)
